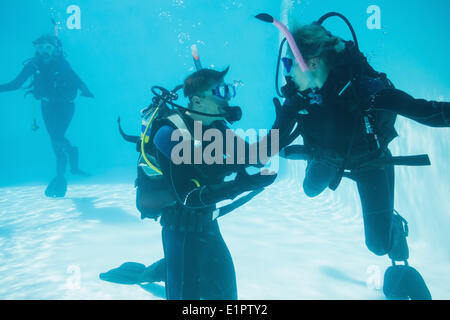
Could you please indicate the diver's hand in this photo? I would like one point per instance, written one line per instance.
(87, 94)
(289, 89)
(285, 114)
(293, 99)
(245, 182)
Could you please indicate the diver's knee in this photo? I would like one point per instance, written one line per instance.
(311, 191)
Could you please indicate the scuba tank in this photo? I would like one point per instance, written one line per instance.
(153, 193)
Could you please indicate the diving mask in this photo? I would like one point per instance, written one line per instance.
(45, 49)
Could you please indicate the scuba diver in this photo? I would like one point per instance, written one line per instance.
(56, 85)
(197, 263)
(345, 112)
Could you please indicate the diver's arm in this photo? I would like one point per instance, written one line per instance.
(188, 190)
(430, 113)
(192, 195)
(85, 92)
(26, 72)
(280, 135)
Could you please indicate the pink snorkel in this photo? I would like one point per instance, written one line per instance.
(298, 56)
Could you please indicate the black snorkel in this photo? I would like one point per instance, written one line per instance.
(339, 15)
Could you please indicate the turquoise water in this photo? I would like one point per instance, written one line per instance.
(284, 245)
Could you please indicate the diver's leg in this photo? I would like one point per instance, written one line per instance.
(385, 234)
(58, 186)
(430, 113)
(318, 176)
(376, 191)
(61, 158)
(193, 269)
(173, 245)
(50, 116)
(384, 229)
(65, 118)
(218, 278)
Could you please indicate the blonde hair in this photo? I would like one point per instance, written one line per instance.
(313, 40)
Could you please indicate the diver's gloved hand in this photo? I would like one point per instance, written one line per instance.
(293, 99)
(286, 119)
(289, 89)
(212, 194)
(87, 94)
(284, 114)
(246, 182)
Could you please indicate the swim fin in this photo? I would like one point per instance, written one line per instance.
(136, 273)
(127, 273)
(57, 188)
(402, 282)
(156, 272)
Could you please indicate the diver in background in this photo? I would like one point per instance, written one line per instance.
(56, 85)
(345, 111)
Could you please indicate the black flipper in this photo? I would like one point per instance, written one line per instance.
(136, 273)
(155, 272)
(127, 273)
(57, 188)
(403, 282)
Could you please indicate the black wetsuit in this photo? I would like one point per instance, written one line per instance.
(198, 263)
(331, 126)
(56, 85)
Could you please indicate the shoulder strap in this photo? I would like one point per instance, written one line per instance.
(179, 123)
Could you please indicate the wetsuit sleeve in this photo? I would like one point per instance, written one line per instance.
(288, 121)
(26, 72)
(163, 141)
(430, 113)
(85, 92)
(184, 180)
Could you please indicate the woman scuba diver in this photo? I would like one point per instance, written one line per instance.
(56, 85)
(345, 112)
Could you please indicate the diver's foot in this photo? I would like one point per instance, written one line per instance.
(136, 273)
(155, 272)
(399, 249)
(81, 173)
(446, 113)
(74, 165)
(403, 282)
(127, 273)
(57, 188)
